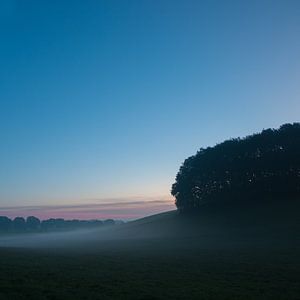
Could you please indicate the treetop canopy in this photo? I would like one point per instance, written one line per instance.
(265, 164)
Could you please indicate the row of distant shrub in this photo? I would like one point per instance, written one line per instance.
(33, 224)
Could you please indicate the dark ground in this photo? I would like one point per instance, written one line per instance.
(216, 256)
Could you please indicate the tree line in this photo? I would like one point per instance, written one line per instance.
(262, 165)
(33, 224)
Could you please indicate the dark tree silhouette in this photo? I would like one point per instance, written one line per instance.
(5, 223)
(19, 224)
(263, 165)
(53, 224)
(108, 222)
(33, 223)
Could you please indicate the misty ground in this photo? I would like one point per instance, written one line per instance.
(223, 252)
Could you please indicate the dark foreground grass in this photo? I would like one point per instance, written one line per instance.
(150, 269)
(221, 254)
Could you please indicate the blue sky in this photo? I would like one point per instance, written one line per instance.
(105, 99)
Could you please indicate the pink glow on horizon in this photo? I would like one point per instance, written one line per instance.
(119, 210)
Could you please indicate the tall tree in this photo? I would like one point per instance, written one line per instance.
(266, 164)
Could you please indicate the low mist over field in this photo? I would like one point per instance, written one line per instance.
(223, 252)
(233, 228)
(150, 150)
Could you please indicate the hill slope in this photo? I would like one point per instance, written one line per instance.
(222, 252)
(268, 219)
(273, 222)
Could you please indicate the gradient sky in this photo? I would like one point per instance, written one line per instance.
(103, 100)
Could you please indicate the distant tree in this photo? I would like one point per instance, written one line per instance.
(45, 225)
(19, 224)
(53, 224)
(33, 223)
(5, 223)
(72, 224)
(60, 223)
(109, 222)
(97, 223)
(261, 165)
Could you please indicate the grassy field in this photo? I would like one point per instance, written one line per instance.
(161, 257)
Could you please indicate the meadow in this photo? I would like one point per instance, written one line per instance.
(166, 256)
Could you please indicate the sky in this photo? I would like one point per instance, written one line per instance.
(102, 101)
